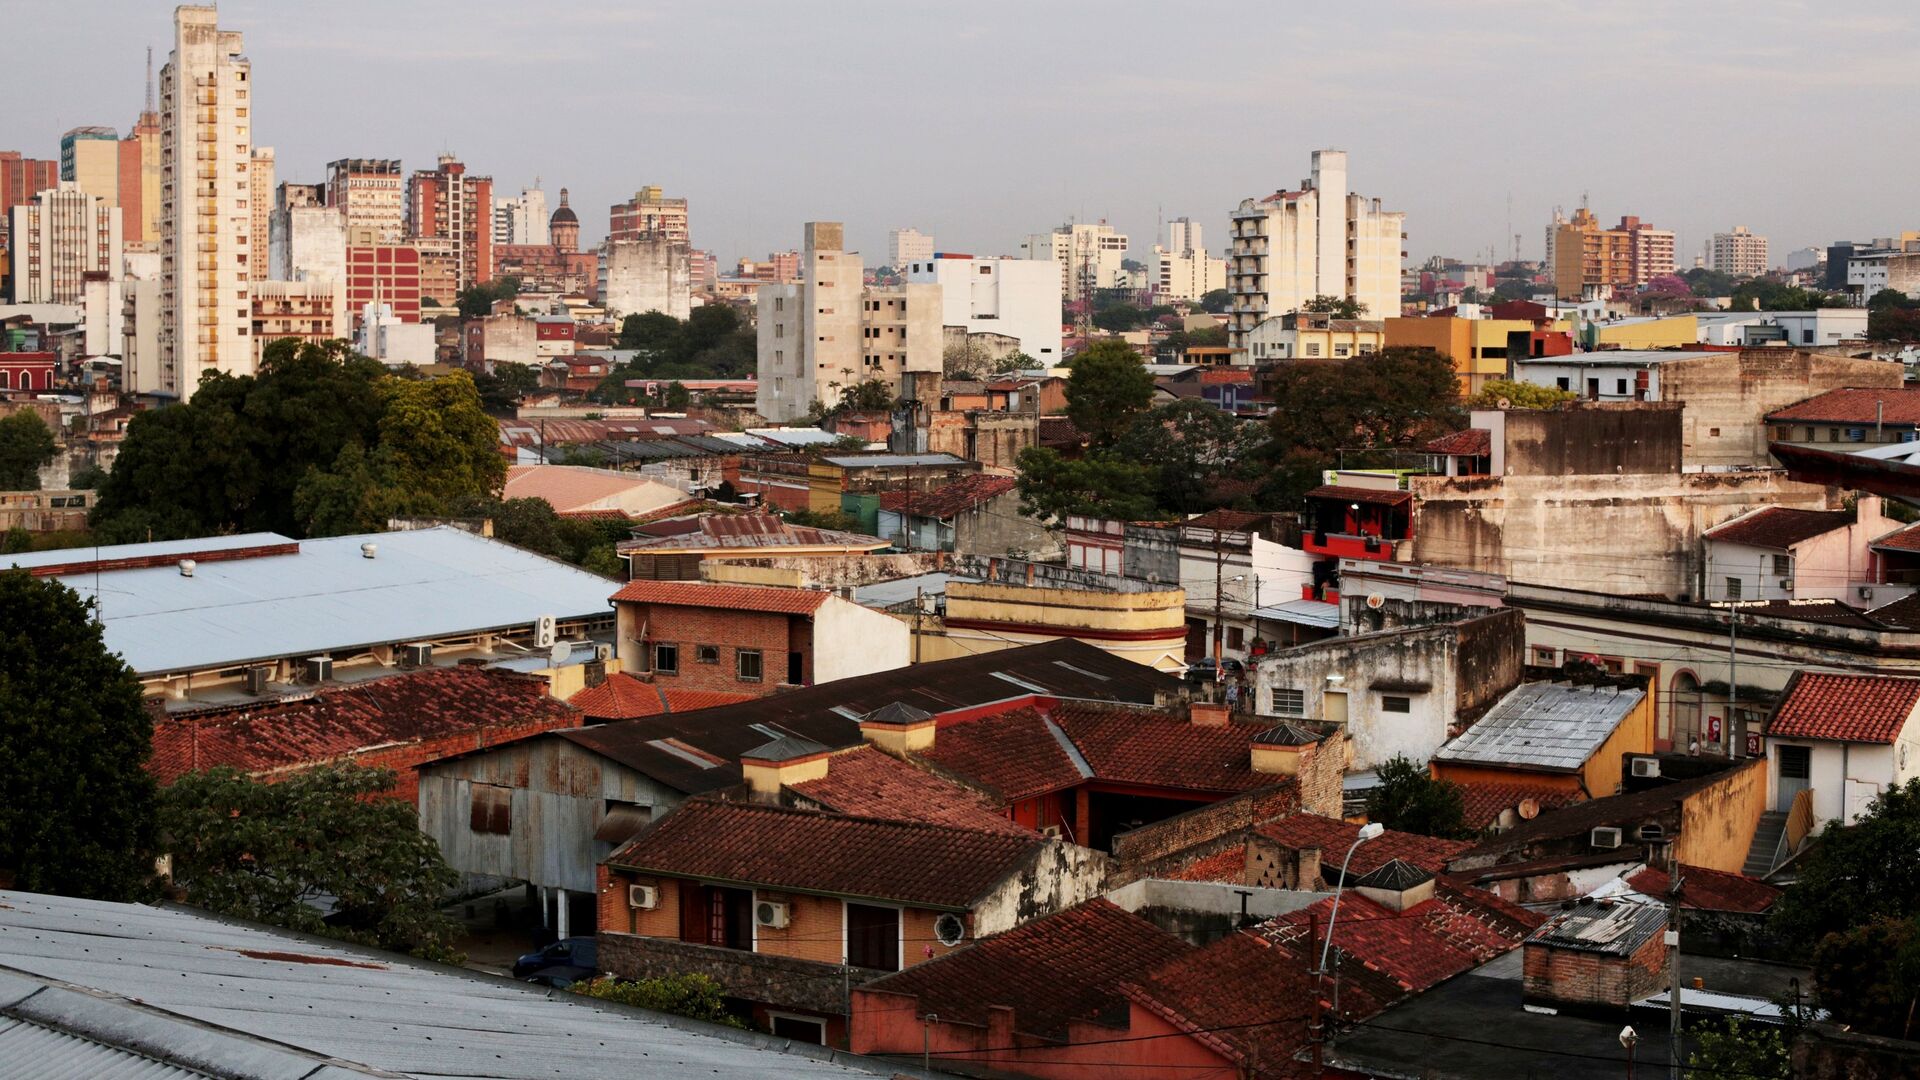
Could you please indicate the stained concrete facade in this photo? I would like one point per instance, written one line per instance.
(646, 274)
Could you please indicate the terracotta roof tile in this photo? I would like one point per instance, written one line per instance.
(868, 783)
(1052, 971)
(1903, 539)
(1012, 755)
(950, 499)
(903, 862)
(1485, 802)
(1709, 890)
(734, 532)
(1351, 493)
(626, 697)
(576, 488)
(1432, 941)
(1472, 442)
(724, 597)
(1892, 405)
(1333, 837)
(1242, 996)
(1228, 865)
(412, 707)
(1779, 527)
(1160, 749)
(1844, 708)
(1903, 614)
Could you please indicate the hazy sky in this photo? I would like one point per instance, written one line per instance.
(983, 121)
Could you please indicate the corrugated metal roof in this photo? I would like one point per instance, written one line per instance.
(156, 549)
(1315, 613)
(422, 585)
(43, 1053)
(893, 461)
(273, 995)
(1544, 726)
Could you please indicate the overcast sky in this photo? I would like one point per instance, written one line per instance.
(983, 121)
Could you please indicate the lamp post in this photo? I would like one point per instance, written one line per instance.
(1629, 1038)
(1367, 832)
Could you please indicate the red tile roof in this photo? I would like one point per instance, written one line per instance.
(1051, 971)
(1844, 708)
(1158, 749)
(412, 707)
(1906, 539)
(950, 499)
(868, 783)
(1485, 802)
(1432, 941)
(1227, 865)
(725, 597)
(1242, 997)
(935, 866)
(1351, 493)
(1472, 442)
(1333, 837)
(1709, 890)
(627, 697)
(1012, 755)
(1779, 527)
(1892, 405)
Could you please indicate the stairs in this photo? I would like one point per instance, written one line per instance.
(1766, 843)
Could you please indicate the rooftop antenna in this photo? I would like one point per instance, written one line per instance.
(149, 78)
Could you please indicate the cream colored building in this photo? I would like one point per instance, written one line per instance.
(650, 273)
(60, 236)
(1321, 240)
(372, 193)
(206, 222)
(1739, 252)
(308, 310)
(1091, 257)
(307, 243)
(905, 246)
(1305, 335)
(260, 203)
(827, 332)
(90, 157)
(1184, 269)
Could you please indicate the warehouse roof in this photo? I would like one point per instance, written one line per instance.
(1549, 727)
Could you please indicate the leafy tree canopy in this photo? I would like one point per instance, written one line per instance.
(1753, 1051)
(1108, 387)
(866, 396)
(712, 343)
(1216, 301)
(1705, 282)
(1397, 397)
(478, 301)
(275, 852)
(1407, 799)
(78, 816)
(690, 994)
(1340, 307)
(1760, 294)
(25, 445)
(1519, 395)
(1101, 484)
(502, 390)
(1192, 448)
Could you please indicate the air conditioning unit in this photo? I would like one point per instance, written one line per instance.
(644, 897)
(1605, 836)
(1652, 832)
(319, 669)
(603, 653)
(1646, 768)
(1786, 583)
(771, 914)
(1866, 592)
(1051, 832)
(257, 678)
(546, 631)
(418, 654)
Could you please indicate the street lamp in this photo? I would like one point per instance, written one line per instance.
(1628, 1038)
(1367, 832)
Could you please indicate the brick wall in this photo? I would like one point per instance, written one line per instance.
(1201, 832)
(1322, 769)
(814, 929)
(616, 914)
(919, 944)
(1572, 977)
(730, 632)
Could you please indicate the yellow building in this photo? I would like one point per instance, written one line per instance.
(1308, 335)
(1477, 347)
(1672, 332)
(1145, 625)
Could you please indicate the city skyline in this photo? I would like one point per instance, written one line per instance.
(1030, 134)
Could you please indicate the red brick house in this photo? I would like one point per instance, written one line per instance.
(398, 722)
(1598, 955)
(752, 640)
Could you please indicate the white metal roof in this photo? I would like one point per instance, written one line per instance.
(421, 585)
(1555, 726)
(156, 549)
(180, 987)
(1316, 613)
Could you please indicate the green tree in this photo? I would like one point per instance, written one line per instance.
(1407, 799)
(1177, 343)
(1761, 294)
(1119, 318)
(25, 445)
(502, 390)
(1396, 397)
(1739, 1049)
(965, 360)
(1109, 386)
(1705, 282)
(1216, 301)
(1192, 448)
(835, 520)
(1519, 395)
(478, 301)
(676, 397)
(274, 852)
(1101, 484)
(690, 994)
(78, 816)
(1893, 316)
(1858, 873)
(653, 333)
(1868, 976)
(1340, 307)
(87, 477)
(866, 396)
(1015, 361)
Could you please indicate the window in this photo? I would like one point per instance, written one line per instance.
(1806, 337)
(1856, 434)
(706, 654)
(1341, 350)
(666, 659)
(1563, 383)
(1396, 703)
(873, 937)
(1733, 588)
(1619, 386)
(492, 810)
(1713, 433)
(1288, 701)
(1783, 566)
(1543, 656)
(1313, 348)
(747, 663)
(800, 1029)
(1236, 637)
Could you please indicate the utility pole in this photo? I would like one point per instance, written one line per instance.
(1733, 674)
(1313, 1023)
(1673, 972)
(1219, 607)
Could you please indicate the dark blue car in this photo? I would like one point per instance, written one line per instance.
(573, 952)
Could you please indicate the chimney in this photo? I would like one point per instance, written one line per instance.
(1397, 886)
(898, 729)
(1282, 749)
(1306, 869)
(782, 763)
(596, 672)
(1208, 714)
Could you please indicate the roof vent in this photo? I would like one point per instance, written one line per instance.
(368, 551)
(186, 567)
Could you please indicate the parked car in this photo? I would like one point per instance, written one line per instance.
(561, 977)
(1202, 670)
(573, 952)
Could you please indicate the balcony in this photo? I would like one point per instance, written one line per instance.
(1354, 546)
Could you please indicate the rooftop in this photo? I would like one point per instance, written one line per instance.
(1470, 442)
(1708, 890)
(1779, 527)
(1544, 727)
(732, 532)
(1456, 929)
(1355, 493)
(576, 488)
(950, 499)
(894, 461)
(759, 598)
(315, 597)
(1314, 613)
(1334, 837)
(1891, 405)
(1844, 708)
(865, 782)
(1624, 357)
(626, 697)
(125, 990)
(1601, 926)
(937, 866)
(1578, 819)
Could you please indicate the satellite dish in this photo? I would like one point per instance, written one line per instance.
(1502, 403)
(1376, 601)
(1529, 809)
(559, 653)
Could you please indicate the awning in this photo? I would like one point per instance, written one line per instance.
(1373, 496)
(623, 821)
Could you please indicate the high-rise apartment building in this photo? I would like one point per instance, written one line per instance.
(90, 157)
(1739, 252)
(1090, 257)
(306, 243)
(21, 178)
(1590, 262)
(260, 205)
(372, 192)
(450, 213)
(1184, 270)
(1322, 240)
(1016, 298)
(139, 183)
(648, 274)
(827, 332)
(521, 219)
(205, 221)
(649, 213)
(61, 236)
(907, 246)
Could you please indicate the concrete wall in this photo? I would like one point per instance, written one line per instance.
(996, 527)
(1831, 565)
(1845, 776)
(1731, 393)
(639, 276)
(852, 640)
(1060, 876)
(1717, 822)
